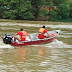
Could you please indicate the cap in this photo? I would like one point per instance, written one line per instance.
(21, 29)
(43, 27)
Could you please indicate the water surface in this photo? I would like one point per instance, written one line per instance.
(55, 56)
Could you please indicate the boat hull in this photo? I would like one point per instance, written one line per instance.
(34, 37)
(33, 42)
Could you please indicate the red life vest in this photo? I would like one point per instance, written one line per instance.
(23, 36)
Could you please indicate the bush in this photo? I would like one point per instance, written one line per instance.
(54, 14)
(70, 10)
(61, 13)
(10, 14)
(43, 13)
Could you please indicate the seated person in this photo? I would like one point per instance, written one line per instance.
(22, 35)
(41, 33)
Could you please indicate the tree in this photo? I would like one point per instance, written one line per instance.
(19, 9)
(36, 4)
(49, 2)
(3, 6)
(70, 9)
(30, 9)
(61, 13)
(57, 2)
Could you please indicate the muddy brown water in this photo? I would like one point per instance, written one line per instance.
(55, 56)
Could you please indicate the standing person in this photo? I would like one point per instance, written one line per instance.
(41, 33)
(22, 35)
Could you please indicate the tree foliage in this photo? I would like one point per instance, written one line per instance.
(19, 9)
(30, 9)
(61, 13)
(43, 13)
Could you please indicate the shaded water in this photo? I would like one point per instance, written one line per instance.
(55, 56)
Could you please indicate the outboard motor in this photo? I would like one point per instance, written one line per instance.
(57, 31)
(7, 38)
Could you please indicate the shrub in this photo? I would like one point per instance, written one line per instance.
(43, 13)
(61, 13)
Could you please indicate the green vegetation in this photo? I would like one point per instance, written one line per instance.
(32, 9)
(43, 13)
(61, 13)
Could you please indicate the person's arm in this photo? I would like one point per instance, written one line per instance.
(48, 35)
(29, 37)
(45, 31)
(15, 34)
(18, 33)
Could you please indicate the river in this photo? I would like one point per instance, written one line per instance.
(55, 56)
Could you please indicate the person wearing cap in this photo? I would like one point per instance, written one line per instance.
(22, 35)
(41, 33)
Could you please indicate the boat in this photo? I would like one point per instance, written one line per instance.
(8, 39)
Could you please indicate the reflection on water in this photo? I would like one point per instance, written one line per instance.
(37, 59)
(55, 56)
(41, 53)
(21, 53)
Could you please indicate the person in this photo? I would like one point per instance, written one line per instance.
(41, 33)
(22, 35)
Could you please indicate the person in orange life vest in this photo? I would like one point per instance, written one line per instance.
(22, 35)
(41, 33)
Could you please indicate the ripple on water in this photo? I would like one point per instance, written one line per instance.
(69, 26)
(2, 45)
(55, 44)
(58, 44)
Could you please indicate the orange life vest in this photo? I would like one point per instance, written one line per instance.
(41, 30)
